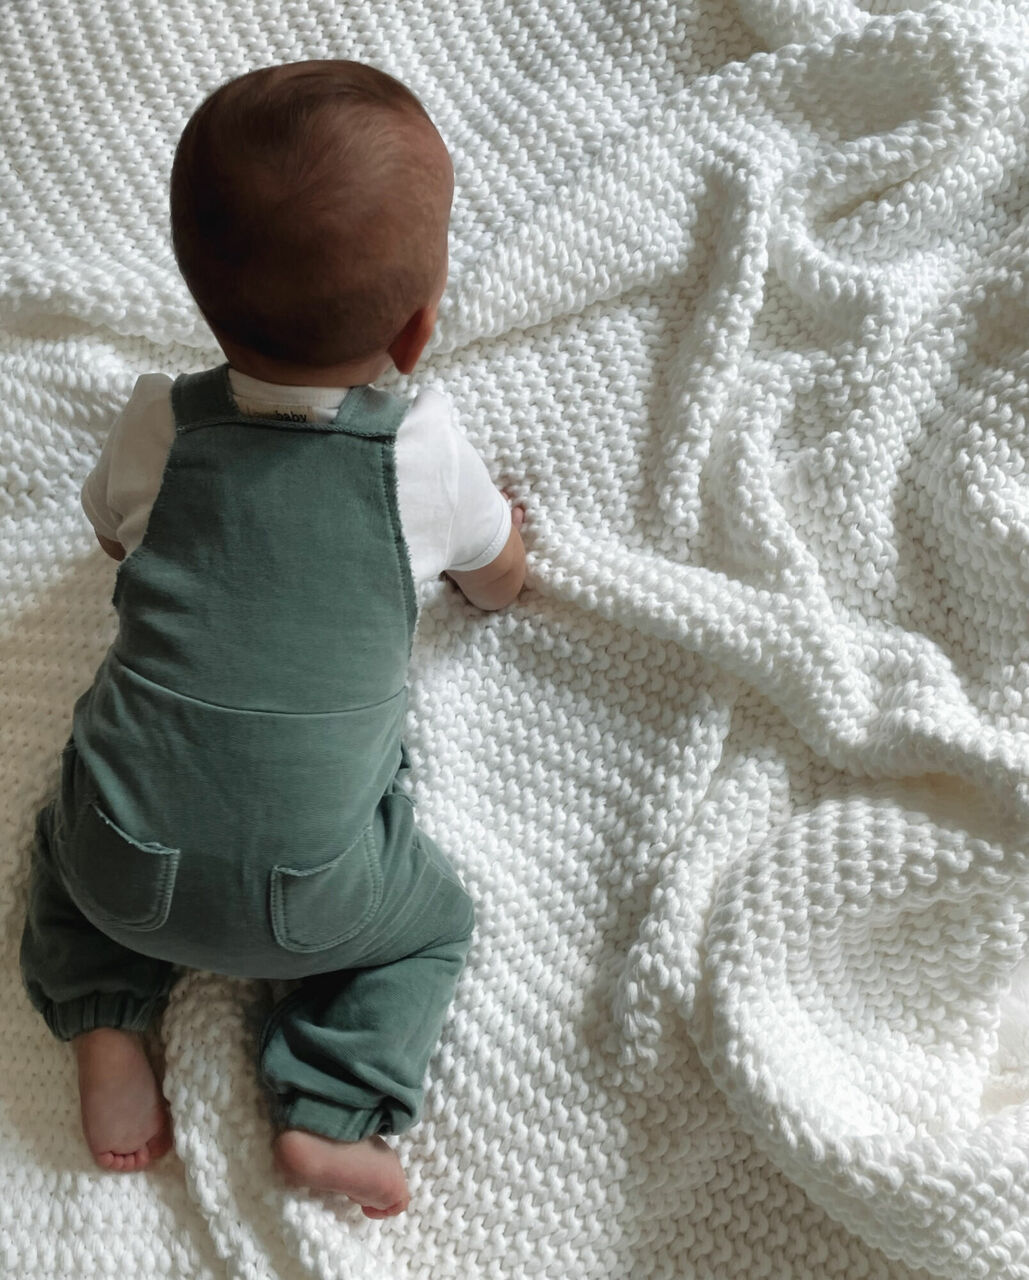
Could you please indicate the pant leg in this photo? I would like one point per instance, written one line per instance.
(347, 1052)
(75, 976)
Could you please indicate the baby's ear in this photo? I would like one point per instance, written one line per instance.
(406, 348)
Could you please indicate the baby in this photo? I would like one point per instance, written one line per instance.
(232, 797)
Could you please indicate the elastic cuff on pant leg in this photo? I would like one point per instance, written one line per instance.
(329, 1119)
(123, 1012)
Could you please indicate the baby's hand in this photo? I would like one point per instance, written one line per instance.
(114, 549)
(517, 513)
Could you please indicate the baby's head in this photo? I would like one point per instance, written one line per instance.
(309, 208)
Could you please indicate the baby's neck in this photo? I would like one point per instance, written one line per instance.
(356, 373)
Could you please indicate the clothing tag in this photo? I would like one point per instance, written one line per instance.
(267, 410)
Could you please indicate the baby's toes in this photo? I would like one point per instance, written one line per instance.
(391, 1212)
(125, 1162)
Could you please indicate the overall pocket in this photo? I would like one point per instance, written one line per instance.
(116, 879)
(314, 908)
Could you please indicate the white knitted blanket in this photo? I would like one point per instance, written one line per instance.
(739, 307)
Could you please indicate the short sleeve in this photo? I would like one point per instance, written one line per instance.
(481, 521)
(120, 490)
(95, 502)
(452, 513)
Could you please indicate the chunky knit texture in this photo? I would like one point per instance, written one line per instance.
(739, 307)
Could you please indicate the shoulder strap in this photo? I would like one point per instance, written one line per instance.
(367, 411)
(202, 397)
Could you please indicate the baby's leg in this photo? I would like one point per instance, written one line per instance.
(347, 1054)
(124, 1116)
(100, 996)
(347, 1051)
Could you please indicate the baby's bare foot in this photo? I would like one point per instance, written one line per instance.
(369, 1171)
(124, 1117)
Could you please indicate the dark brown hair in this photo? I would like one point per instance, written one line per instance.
(309, 207)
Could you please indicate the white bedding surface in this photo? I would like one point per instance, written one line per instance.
(741, 785)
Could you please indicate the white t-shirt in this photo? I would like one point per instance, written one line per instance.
(451, 513)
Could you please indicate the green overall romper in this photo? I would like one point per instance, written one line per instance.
(231, 795)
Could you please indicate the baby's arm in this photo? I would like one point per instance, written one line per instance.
(499, 582)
